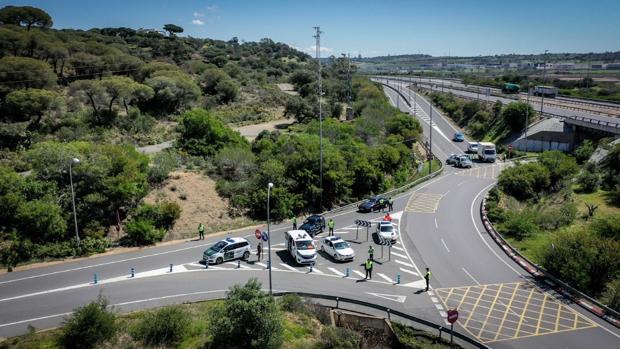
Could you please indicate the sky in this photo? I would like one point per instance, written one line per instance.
(370, 28)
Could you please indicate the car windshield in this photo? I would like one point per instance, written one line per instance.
(304, 245)
(386, 228)
(220, 245)
(312, 219)
(341, 245)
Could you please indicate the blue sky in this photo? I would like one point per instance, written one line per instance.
(437, 27)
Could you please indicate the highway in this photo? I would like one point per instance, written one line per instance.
(439, 226)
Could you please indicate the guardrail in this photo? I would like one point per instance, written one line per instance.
(585, 301)
(390, 312)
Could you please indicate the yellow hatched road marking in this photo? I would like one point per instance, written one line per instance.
(462, 299)
(542, 312)
(499, 290)
(475, 305)
(557, 319)
(506, 313)
(523, 314)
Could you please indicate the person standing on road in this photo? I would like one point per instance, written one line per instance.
(294, 223)
(382, 204)
(390, 204)
(427, 277)
(368, 268)
(259, 249)
(201, 231)
(331, 225)
(371, 253)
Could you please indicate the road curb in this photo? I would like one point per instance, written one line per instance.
(586, 302)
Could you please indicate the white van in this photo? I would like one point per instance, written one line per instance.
(301, 246)
(486, 152)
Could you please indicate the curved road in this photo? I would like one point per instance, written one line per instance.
(440, 228)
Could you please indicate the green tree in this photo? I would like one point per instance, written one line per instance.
(607, 226)
(26, 15)
(32, 104)
(611, 297)
(174, 91)
(584, 151)
(560, 166)
(93, 93)
(166, 326)
(141, 232)
(203, 134)
(89, 326)
(248, 318)
(514, 115)
(524, 181)
(172, 29)
(124, 90)
(22, 72)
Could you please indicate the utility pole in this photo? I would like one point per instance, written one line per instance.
(317, 36)
(542, 95)
(527, 110)
(269, 186)
(430, 140)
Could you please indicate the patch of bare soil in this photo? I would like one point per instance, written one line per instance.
(199, 202)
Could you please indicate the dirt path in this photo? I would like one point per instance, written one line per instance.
(249, 131)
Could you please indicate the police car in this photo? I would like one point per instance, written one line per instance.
(226, 250)
(337, 248)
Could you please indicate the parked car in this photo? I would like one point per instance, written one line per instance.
(464, 162)
(314, 224)
(451, 160)
(226, 250)
(386, 231)
(337, 248)
(373, 204)
(301, 246)
(458, 137)
(472, 147)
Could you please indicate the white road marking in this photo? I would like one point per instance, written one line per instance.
(407, 264)
(359, 273)
(261, 264)
(409, 271)
(439, 306)
(335, 271)
(241, 265)
(399, 255)
(398, 248)
(288, 267)
(443, 314)
(436, 226)
(315, 270)
(444, 245)
(434, 299)
(391, 297)
(468, 274)
(385, 277)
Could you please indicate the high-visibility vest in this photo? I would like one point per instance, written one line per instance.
(295, 220)
(331, 224)
(368, 265)
(201, 228)
(428, 275)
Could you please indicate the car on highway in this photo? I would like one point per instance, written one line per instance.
(313, 225)
(375, 203)
(227, 250)
(451, 160)
(337, 248)
(463, 161)
(458, 137)
(386, 231)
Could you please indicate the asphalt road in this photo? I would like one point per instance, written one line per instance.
(439, 226)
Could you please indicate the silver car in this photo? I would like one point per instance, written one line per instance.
(452, 159)
(464, 162)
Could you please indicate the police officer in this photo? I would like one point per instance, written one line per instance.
(259, 249)
(371, 252)
(294, 222)
(427, 277)
(368, 268)
(331, 225)
(201, 231)
(390, 204)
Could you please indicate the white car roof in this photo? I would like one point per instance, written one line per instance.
(232, 240)
(299, 235)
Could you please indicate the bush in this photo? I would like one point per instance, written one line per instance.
(519, 225)
(340, 338)
(164, 327)
(514, 115)
(584, 151)
(162, 215)
(556, 217)
(611, 297)
(524, 181)
(89, 326)
(560, 166)
(607, 226)
(248, 318)
(589, 182)
(141, 232)
(163, 163)
(293, 304)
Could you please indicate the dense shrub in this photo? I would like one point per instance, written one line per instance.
(142, 232)
(163, 327)
(589, 182)
(163, 163)
(611, 296)
(248, 318)
(515, 113)
(340, 338)
(519, 225)
(524, 181)
(560, 166)
(607, 226)
(89, 326)
(162, 214)
(584, 151)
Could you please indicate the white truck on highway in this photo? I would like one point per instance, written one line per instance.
(547, 91)
(301, 246)
(486, 152)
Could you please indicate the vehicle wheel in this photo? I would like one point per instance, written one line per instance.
(219, 260)
(322, 248)
(246, 255)
(335, 257)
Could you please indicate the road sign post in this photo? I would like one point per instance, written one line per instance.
(453, 315)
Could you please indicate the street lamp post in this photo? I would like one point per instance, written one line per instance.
(269, 186)
(542, 95)
(529, 90)
(74, 161)
(430, 141)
